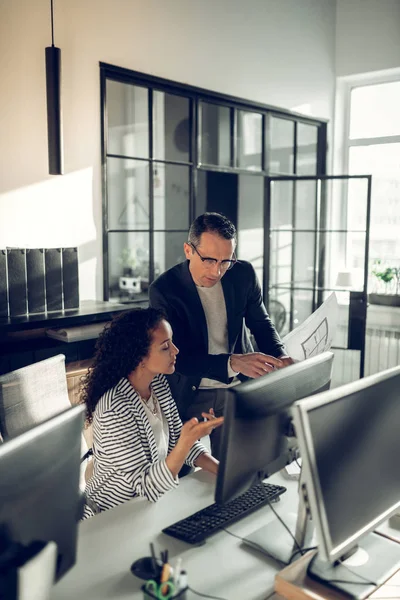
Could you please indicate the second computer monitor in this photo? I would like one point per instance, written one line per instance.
(255, 426)
(40, 499)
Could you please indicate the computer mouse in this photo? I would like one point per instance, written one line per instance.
(144, 568)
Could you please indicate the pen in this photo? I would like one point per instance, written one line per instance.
(153, 557)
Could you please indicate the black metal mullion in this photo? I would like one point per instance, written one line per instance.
(103, 128)
(322, 149)
(293, 253)
(267, 239)
(196, 148)
(159, 160)
(267, 143)
(366, 265)
(234, 138)
(151, 185)
(263, 150)
(195, 96)
(319, 242)
(137, 78)
(295, 148)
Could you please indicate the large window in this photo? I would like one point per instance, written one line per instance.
(171, 151)
(373, 147)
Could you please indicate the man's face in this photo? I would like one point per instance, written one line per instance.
(213, 246)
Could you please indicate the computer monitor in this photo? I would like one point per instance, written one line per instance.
(40, 499)
(350, 446)
(254, 436)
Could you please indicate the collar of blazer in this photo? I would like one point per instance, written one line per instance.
(161, 390)
(228, 287)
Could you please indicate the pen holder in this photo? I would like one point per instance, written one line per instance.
(148, 595)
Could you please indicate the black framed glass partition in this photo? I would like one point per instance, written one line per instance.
(171, 151)
(317, 243)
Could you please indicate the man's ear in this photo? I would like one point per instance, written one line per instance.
(188, 250)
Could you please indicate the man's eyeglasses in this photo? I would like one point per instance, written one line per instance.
(212, 262)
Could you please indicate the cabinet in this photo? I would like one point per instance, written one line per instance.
(23, 339)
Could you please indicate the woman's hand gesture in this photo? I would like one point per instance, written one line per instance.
(194, 429)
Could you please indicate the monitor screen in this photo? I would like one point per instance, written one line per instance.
(350, 446)
(40, 499)
(256, 423)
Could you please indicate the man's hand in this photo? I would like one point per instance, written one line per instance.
(287, 360)
(255, 364)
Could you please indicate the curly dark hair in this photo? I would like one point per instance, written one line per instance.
(120, 348)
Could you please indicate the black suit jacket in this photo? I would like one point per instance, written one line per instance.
(175, 293)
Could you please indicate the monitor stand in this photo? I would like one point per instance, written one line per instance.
(375, 560)
(28, 572)
(274, 540)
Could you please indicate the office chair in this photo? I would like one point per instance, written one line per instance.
(33, 394)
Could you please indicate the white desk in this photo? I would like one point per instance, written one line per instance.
(110, 542)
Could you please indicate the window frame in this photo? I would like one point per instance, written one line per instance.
(195, 96)
(342, 140)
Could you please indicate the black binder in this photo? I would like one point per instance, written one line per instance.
(70, 277)
(16, 271)
(36, 280)
(3, 284)
(52, 258)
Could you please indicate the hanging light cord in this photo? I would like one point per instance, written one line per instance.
(52, 23)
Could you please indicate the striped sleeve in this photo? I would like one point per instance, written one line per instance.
(123, 449)
(196, 450)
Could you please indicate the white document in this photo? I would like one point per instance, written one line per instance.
(316, 334)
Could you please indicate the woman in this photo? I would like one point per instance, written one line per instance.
(139, 443)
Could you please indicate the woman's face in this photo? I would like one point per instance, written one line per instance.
(162, 354)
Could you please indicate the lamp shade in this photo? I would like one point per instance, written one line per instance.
(344, 279)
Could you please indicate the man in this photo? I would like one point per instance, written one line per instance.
(208, 300)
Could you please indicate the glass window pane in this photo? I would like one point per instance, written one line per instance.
(171, 196)
(168, 250)
(302, 309)
(251, 222)
(305, 204)
(249, 140)
(127, 119)
(383, 162)
(279, 310)
(127, 193)
(374, 110)
(128, 264)
(304, 254)
(281, 204)
(307, 144)
(343, 270)
(171, 127)
(281, 142)
(280, 266)
(217, 192)
(215, 134)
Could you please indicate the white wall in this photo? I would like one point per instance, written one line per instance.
(367, 36)
(280, 52)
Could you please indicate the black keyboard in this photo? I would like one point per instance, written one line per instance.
(199, 526)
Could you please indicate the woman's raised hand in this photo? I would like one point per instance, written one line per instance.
(194, 429)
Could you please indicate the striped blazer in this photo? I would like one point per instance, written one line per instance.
(125, 455)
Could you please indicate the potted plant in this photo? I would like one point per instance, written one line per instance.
(130, 280)
(386, 290)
